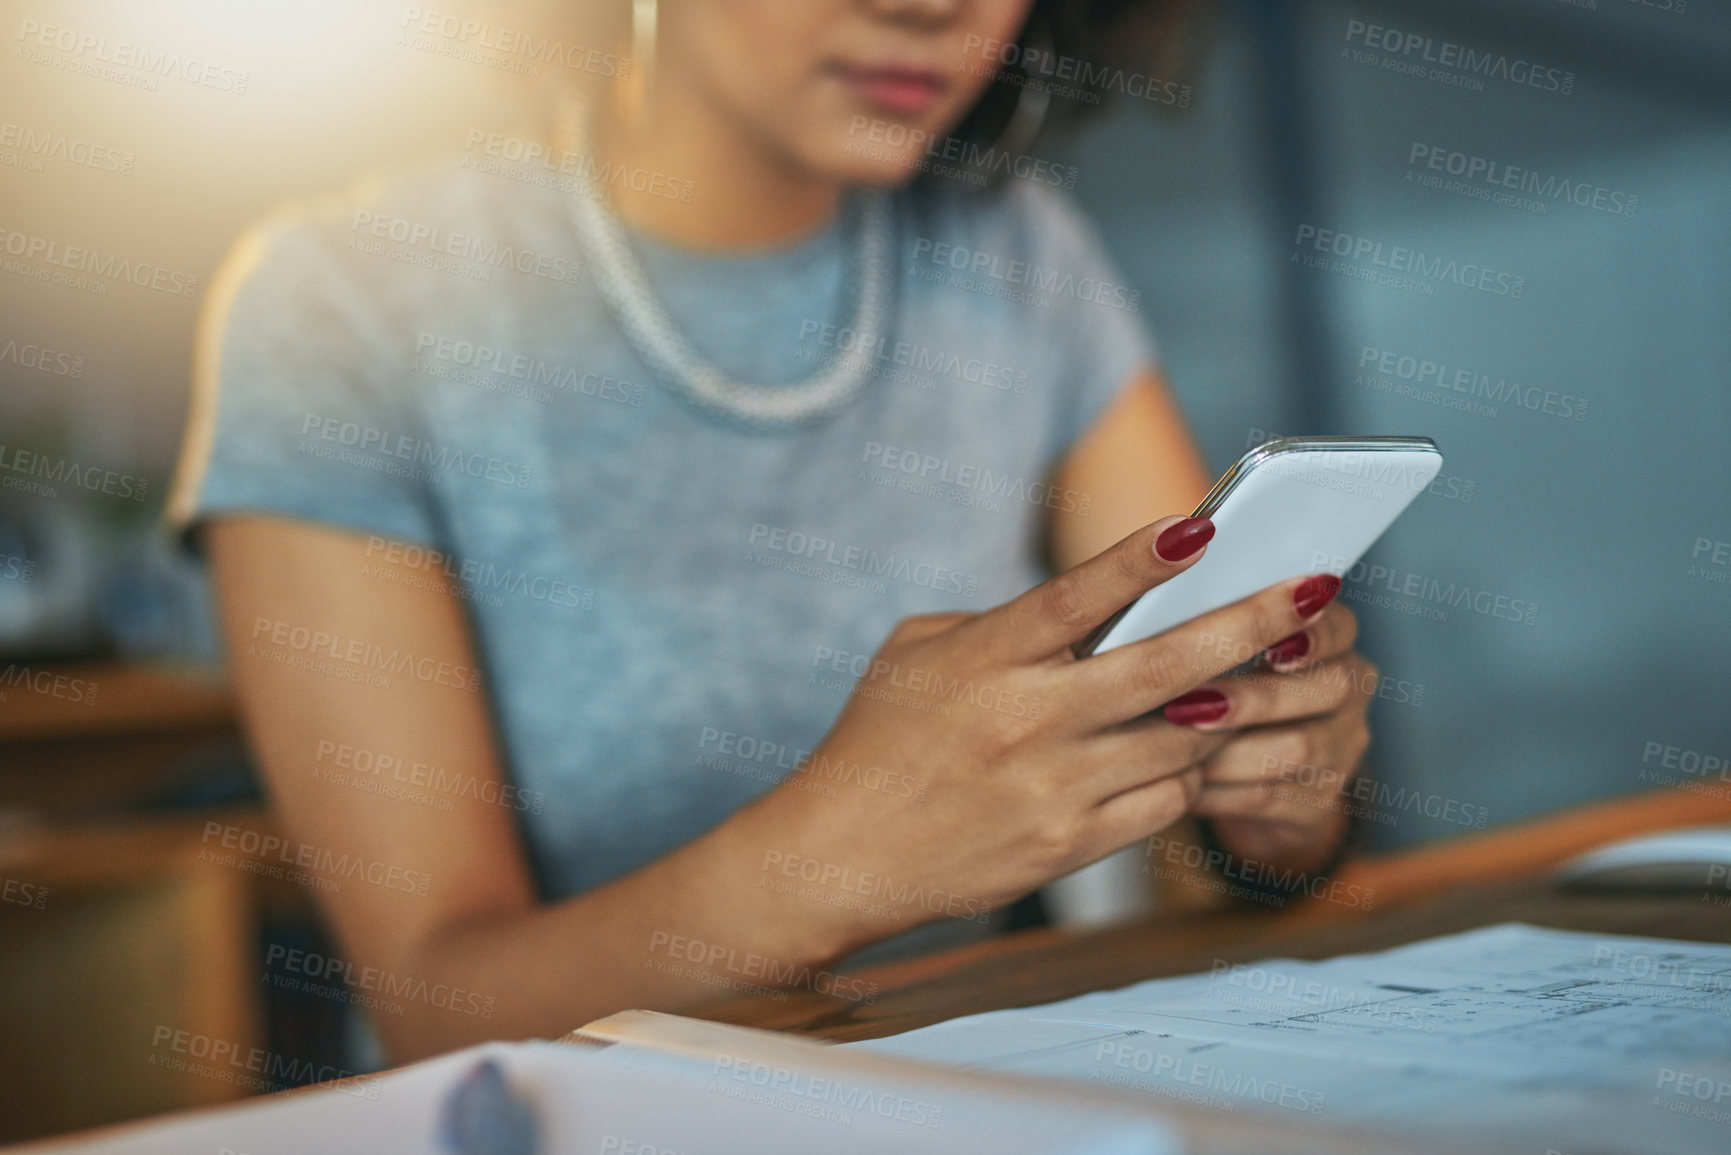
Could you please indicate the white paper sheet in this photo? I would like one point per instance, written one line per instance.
(626, 1100)
(1564, 1041)
(1694, 858)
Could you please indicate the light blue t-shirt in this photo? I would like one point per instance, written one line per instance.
(669, 610)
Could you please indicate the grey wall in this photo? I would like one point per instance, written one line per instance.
(1592, 519)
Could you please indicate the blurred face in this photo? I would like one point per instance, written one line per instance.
(850, 90)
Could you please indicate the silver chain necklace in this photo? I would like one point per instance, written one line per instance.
(620, 279)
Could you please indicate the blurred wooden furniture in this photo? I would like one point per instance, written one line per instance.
(135, 936)
(115, 742)
(113, 929)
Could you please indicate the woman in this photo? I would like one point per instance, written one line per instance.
(538, 607)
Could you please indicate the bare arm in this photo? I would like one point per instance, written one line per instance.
(1046, 765)
(1137, 462)
(480, 928)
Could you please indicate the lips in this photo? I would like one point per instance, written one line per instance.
(895, 89)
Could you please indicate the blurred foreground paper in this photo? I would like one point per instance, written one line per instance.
(634, 1100)
(1552, 1040)
(1696, 858)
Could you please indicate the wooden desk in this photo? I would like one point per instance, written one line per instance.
(1497, 876)
(1044, 966)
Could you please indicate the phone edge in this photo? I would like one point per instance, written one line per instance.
(1240, 469)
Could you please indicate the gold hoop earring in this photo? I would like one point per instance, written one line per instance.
(639, 89)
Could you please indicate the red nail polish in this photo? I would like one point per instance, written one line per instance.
(1315, 592)
(1179, 541)
(1196, 707)
(1287, 649)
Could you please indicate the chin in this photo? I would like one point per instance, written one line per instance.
(854, 160)
(874, 173)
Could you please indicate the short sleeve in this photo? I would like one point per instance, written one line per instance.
(1098, 327)
(293, 411)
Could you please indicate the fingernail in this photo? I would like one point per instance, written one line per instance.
(1196, 707)
(1287, 649)
(1315, 592)
(1177, 542)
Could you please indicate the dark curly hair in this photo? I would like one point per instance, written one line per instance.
(1078, 56)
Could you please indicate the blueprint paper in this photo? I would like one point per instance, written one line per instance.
(1563, 1041)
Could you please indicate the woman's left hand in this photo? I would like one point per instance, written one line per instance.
(1274, 792)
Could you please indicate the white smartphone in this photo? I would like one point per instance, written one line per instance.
(1290, 507)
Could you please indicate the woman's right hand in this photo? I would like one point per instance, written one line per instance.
(978, 759)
